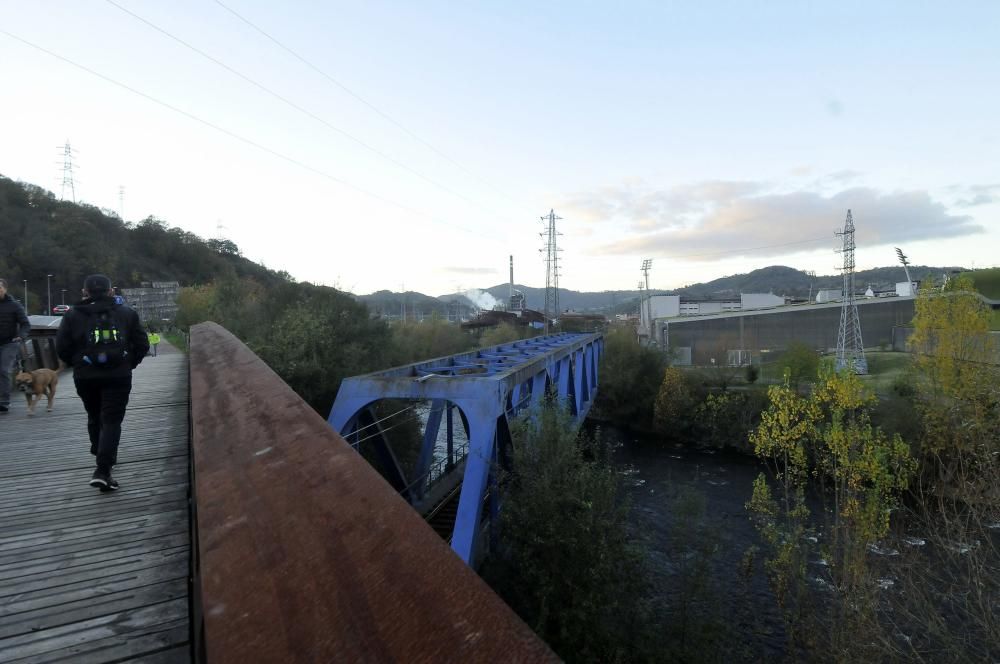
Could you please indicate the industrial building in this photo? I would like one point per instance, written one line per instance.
(672, 306)
(735, 336)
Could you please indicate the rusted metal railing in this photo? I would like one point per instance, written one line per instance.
(304, 553)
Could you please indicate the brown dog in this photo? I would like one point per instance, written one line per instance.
(36, 383)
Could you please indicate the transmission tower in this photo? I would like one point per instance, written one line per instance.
(646, 265)
(551, 252)
(121, 202)
(67, 172)
(850, 348)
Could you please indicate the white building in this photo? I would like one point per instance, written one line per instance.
(828, 295)
(673, 306)
(760, 300)
(906, 288)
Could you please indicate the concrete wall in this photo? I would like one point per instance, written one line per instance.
(772, 330)
(158, 303)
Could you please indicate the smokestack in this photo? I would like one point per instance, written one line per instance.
(510, 295)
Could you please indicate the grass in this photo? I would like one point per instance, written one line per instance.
(884, 368)
(177, 339)
(987, 282)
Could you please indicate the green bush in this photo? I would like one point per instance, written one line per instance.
(630, 377)
(567, 564)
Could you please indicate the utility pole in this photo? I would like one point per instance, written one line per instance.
(551, 252)
(25, 296)
(850, 347)
(63, 295)
(67, 172)
(646, 265)
(121, 201)
(48, 289)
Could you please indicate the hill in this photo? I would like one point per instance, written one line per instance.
(777, 279)
(782, 280)
(45, 236)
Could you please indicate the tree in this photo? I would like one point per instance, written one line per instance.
(673, 411)
(630, 378)
(827, 435)
(567, 564)
(434, 337)
(801, 361)
(957, 396)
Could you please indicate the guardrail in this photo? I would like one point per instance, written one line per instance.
(304, 553)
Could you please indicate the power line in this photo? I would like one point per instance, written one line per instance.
(247, 141)
(364, 101)
(293, 105)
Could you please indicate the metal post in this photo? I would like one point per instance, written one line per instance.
(451, 438)
(25, 296)
(63, 295)
(646, 264)
(48, 290)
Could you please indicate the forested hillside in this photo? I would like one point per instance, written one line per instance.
(41, 235)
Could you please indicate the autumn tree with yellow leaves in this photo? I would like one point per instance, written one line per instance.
(825, 441)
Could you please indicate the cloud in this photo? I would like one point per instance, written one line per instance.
(748, 218)
(843, 176)
(979, 194)
(654, 209)
(456, 269)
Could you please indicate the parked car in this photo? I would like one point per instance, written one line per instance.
(60, 309)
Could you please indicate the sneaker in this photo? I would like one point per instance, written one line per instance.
(101, 480)
(112, 485)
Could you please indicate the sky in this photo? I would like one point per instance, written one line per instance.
(388, 145)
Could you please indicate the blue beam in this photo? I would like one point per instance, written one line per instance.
(489, 387)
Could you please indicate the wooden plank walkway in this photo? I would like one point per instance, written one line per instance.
(92, 577)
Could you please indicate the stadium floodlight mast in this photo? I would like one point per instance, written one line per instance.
(906, 262)
(646, 265)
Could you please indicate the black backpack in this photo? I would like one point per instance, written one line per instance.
(106, 344)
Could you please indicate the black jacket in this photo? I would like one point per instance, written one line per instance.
(71, 341)
(13, 321)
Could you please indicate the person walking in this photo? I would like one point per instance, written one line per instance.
(103, 341)
(14, 328)
(154, 341)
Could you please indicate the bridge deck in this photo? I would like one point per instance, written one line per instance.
(86, 576)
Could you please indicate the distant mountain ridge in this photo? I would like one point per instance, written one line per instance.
(777, 279)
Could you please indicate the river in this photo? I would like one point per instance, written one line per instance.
(687, 506)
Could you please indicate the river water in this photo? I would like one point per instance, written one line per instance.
(687, 505)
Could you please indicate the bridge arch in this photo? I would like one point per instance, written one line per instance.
(489, 387)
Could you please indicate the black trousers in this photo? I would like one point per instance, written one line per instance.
(105, 400)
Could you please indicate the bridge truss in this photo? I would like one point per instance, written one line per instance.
(489, 388)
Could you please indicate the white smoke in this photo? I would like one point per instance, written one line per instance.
(481, 299)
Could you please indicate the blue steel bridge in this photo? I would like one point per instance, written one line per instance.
(488, 389)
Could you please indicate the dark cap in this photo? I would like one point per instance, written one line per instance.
(97, 283)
